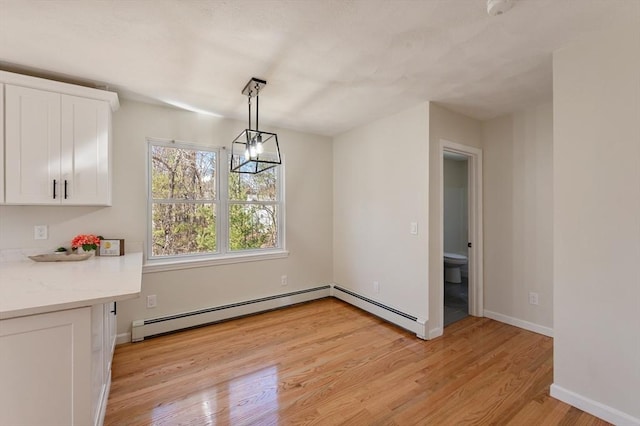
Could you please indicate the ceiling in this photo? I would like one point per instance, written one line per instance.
(330, 65)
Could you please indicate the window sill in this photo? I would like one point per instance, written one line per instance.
(177, 264)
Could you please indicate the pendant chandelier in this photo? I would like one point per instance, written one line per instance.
(254, 151)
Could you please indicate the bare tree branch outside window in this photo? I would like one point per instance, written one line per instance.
(183, 190)
(253, 210)
(185, 207)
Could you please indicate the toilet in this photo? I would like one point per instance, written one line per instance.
(452, 264)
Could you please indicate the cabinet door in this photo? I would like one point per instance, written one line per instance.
(44, 369)
(32, 146)
(112, 327)
(97, 361)
(86, 175)
(102, 361)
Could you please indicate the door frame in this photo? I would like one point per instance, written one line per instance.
(474, 176)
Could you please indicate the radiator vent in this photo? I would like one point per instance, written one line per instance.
(162, 325)
(157, 326)
(393, 315)
(378, 304)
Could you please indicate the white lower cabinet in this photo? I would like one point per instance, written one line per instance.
(55, 368)
(103, 342)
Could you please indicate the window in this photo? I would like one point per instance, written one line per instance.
(253, 210)
(198, 209)
(183, 200)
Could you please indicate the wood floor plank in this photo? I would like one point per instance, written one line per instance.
(329, 363)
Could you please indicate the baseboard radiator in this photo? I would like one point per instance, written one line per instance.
(142, 329)
(395, 316)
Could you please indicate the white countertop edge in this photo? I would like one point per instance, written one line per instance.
(29, 288)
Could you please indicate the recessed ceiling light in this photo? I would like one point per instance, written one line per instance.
(498, 7)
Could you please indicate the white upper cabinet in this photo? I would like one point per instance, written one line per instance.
(84, 161)
(32, 146)
(57, 144)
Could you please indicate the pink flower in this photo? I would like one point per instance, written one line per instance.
(87, 242)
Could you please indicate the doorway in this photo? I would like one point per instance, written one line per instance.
(461, 233)
(455, 236)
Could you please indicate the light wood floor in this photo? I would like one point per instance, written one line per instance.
(328, 363)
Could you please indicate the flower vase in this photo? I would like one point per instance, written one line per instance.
(80, 250)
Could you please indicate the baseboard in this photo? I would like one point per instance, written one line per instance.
(595, 408)
(156, 326)
(435, 332)
(536, 328)
(387, 313)
(123, 338)
(142, 329)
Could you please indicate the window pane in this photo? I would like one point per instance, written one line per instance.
(258, 187)
(180, 173)
(252, 226)
(182, 228)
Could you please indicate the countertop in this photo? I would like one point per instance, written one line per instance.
(28, 287)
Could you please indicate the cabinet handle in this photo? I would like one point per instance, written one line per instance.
(115, 308)
(54, 189)
(65, 190)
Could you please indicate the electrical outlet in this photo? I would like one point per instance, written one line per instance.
(283, 280)
(533, 298)
(152, 301)
(40, 232)
(376, 287)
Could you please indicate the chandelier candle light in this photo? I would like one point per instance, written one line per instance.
(254, 151)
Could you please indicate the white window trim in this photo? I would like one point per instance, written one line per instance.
(223, 256)
(161, 265)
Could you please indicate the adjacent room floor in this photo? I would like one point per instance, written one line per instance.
(456, 301)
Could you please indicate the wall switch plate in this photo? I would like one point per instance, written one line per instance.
(40, 232)
(152, 301)
(376, 287)
(413, 228)
(533, 298)
(283, 280)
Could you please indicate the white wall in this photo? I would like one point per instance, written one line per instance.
(597, 224)
(455, 209)
(380, 186)
(453, 127)
(518, 215)
(308, 215)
